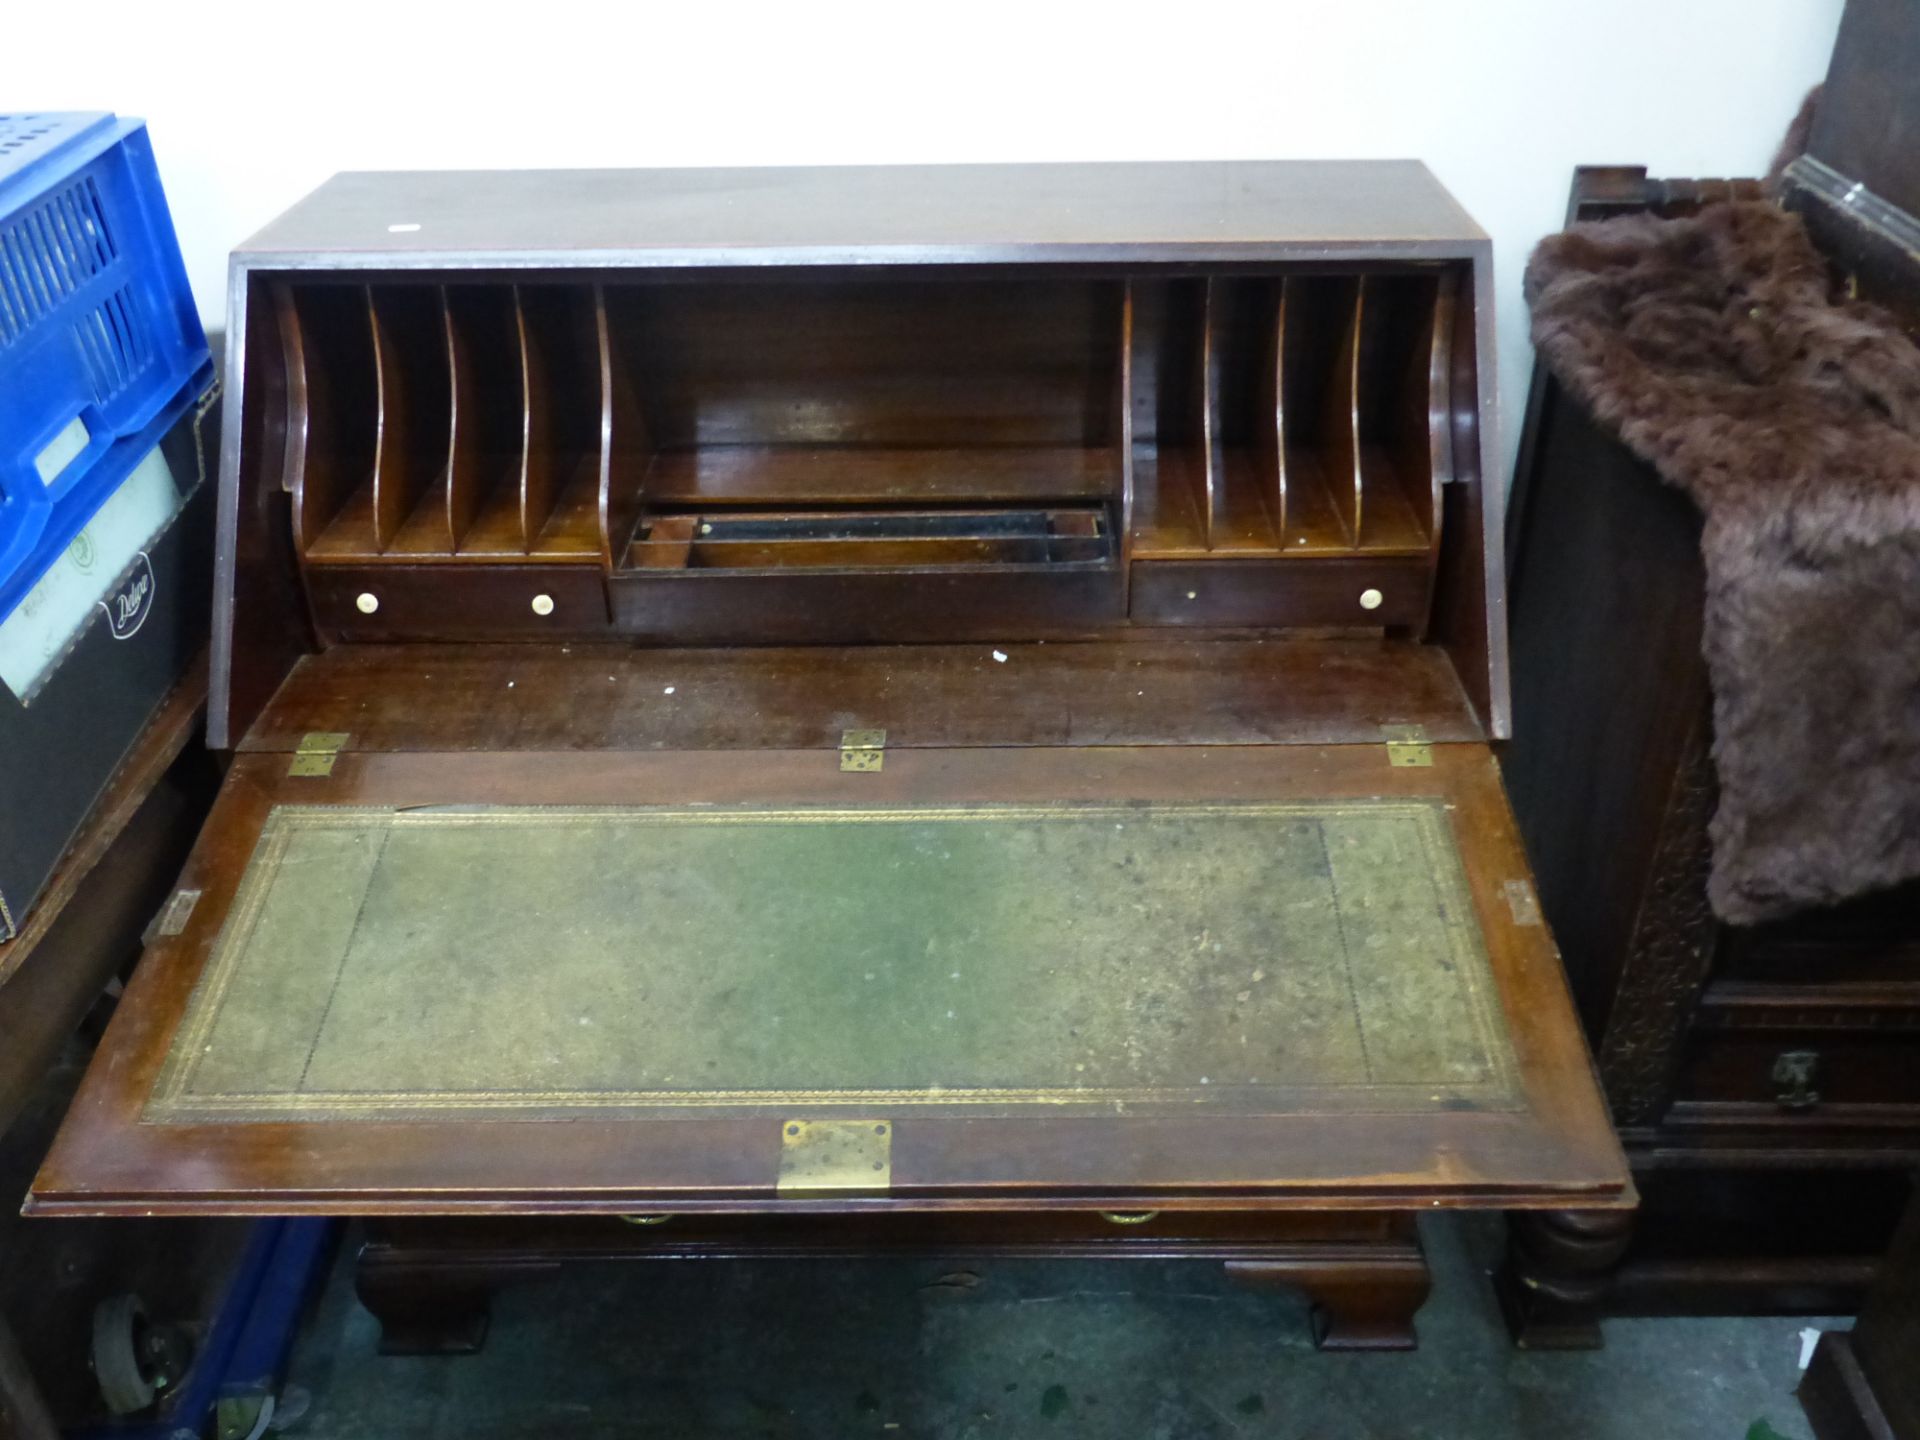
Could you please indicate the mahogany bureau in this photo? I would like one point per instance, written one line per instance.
(821, 712)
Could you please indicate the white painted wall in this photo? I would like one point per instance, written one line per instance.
(253, 102)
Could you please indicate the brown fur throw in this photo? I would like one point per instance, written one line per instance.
(1715, 346)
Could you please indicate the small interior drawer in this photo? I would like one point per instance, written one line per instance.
(802, 605)
(427, 602)
(1357, 591)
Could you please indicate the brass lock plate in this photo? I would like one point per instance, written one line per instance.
(835, 1156)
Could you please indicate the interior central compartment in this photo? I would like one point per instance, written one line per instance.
(863, 424)
(834, 392)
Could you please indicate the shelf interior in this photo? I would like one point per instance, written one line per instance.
(1234, 416)
(1302, 415)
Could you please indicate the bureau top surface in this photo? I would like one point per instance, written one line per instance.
(850, 215)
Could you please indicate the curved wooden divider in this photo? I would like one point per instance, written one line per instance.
(1343, 422)
(1212, 420)
(463, 439)
(1439, 416)
(1317, 385)
(562, 422)
(1243, 496)
(536, 455)
(299, 456)
(624, 450)
(331, 409)
(413, 382)
(1126, 439)
(1273, 439)
(485, 448)
(1401, 362)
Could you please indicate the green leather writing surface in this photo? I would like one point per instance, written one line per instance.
(1262, 957)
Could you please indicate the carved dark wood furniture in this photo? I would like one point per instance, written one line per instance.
(1864, 1384)
(1766, 1081)
(857, 711)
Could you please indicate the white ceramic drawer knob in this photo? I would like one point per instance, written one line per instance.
(1370, 599)
(543, 604)
(366, 602)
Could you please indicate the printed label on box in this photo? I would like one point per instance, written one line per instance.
(105, 567)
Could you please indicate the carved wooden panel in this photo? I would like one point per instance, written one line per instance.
(1672, 948)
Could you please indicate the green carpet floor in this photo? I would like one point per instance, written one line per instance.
(1060, 1350)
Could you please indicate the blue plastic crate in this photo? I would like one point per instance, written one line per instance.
(101, 349)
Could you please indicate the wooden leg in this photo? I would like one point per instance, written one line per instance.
(1865, 1385)
(422, 1312)
(433, 1303)
(1375, 1314)
(429, 1282)
(1364, 1298)
(1837, 1397)
(1556, 1273)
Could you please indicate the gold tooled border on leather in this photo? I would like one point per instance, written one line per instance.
(174, 1101)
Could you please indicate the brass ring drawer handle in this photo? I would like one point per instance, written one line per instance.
(646, 1219)
(1127, 1217)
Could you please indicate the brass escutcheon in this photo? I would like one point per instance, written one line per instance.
(1127, 1217)
(646, 1219)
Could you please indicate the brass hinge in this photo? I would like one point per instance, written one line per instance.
(316, 752)
(1407, 745)
(861, 750)
(173, 917)
(1522, 902)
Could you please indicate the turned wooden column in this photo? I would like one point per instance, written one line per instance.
(1556, 1268)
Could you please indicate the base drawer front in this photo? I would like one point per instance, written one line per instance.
(429, 1281)
(1194, 1234)
(1365, 591)
(1804, 1072)
(425, 602)
(1870, 941)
